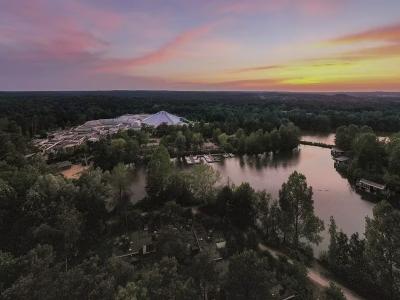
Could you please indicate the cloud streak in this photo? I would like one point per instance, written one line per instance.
(390, 33)
(117, 43)
(258, 68)
(166, 52)
(307, 7)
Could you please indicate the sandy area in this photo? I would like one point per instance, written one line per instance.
(74, 171)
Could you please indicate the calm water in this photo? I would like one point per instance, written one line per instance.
(333, 196)
(319, 138)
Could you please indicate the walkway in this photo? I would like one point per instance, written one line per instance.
(315, 275)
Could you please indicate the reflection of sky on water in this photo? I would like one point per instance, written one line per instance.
(326, 138)
(333, 195)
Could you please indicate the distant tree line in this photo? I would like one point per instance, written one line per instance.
(36, 113)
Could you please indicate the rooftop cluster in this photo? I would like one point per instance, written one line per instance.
(94, 130)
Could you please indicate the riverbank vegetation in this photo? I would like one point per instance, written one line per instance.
(373, 158)
(370, 265)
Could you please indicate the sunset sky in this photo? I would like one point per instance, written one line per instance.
(274, 45)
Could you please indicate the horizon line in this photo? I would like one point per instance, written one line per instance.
(199, 91)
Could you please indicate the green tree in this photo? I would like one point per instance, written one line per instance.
(118, 150)
(8, 207)
(392, 176)
(369, 153)
(163, 282)
(159, 170)
(44, 198)
(249, 277)
(197, 140)
(180, 143)
(9, 269)
(360, 272)
(289, 137)
(38, 278)
(202, 179)
(204, 274)
(333, 292)
(224, 196)
(333, 245)
(264, 215)
(275, 138)
(132, 292)
(170, 243)
(70, 222)
(92, 197)
(383, 248)
(297, 205)
(178, 189)
(241, 211)
(119, 180)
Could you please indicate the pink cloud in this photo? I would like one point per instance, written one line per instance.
(309, 7)
(166, 52)
(319, 7)
(390, 33)
(258, 68)
(238, 7)
(101, 19)
(46, 32)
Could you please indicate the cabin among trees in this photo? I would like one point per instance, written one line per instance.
(371, 187)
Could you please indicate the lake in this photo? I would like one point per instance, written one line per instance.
(325, 138)
(333, 195)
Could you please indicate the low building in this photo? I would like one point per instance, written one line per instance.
(371, 187)
(341, 161)
(336, 152)
(94, 130)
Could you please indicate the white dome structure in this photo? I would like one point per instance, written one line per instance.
(163, 117)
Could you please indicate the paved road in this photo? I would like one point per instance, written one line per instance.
(315, 275)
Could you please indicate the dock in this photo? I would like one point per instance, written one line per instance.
(193, 160)
(208, 158)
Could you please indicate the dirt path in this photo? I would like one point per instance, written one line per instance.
(315, 275)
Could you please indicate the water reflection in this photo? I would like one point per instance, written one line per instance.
(333, 195)
(326, 138)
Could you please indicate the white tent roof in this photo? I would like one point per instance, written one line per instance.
(163, 117)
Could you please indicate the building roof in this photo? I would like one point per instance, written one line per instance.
(341, 159)
(221, 244)
(163, 117)
(373, 184)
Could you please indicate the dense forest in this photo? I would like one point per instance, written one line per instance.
(37, 112)
(69, 238)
